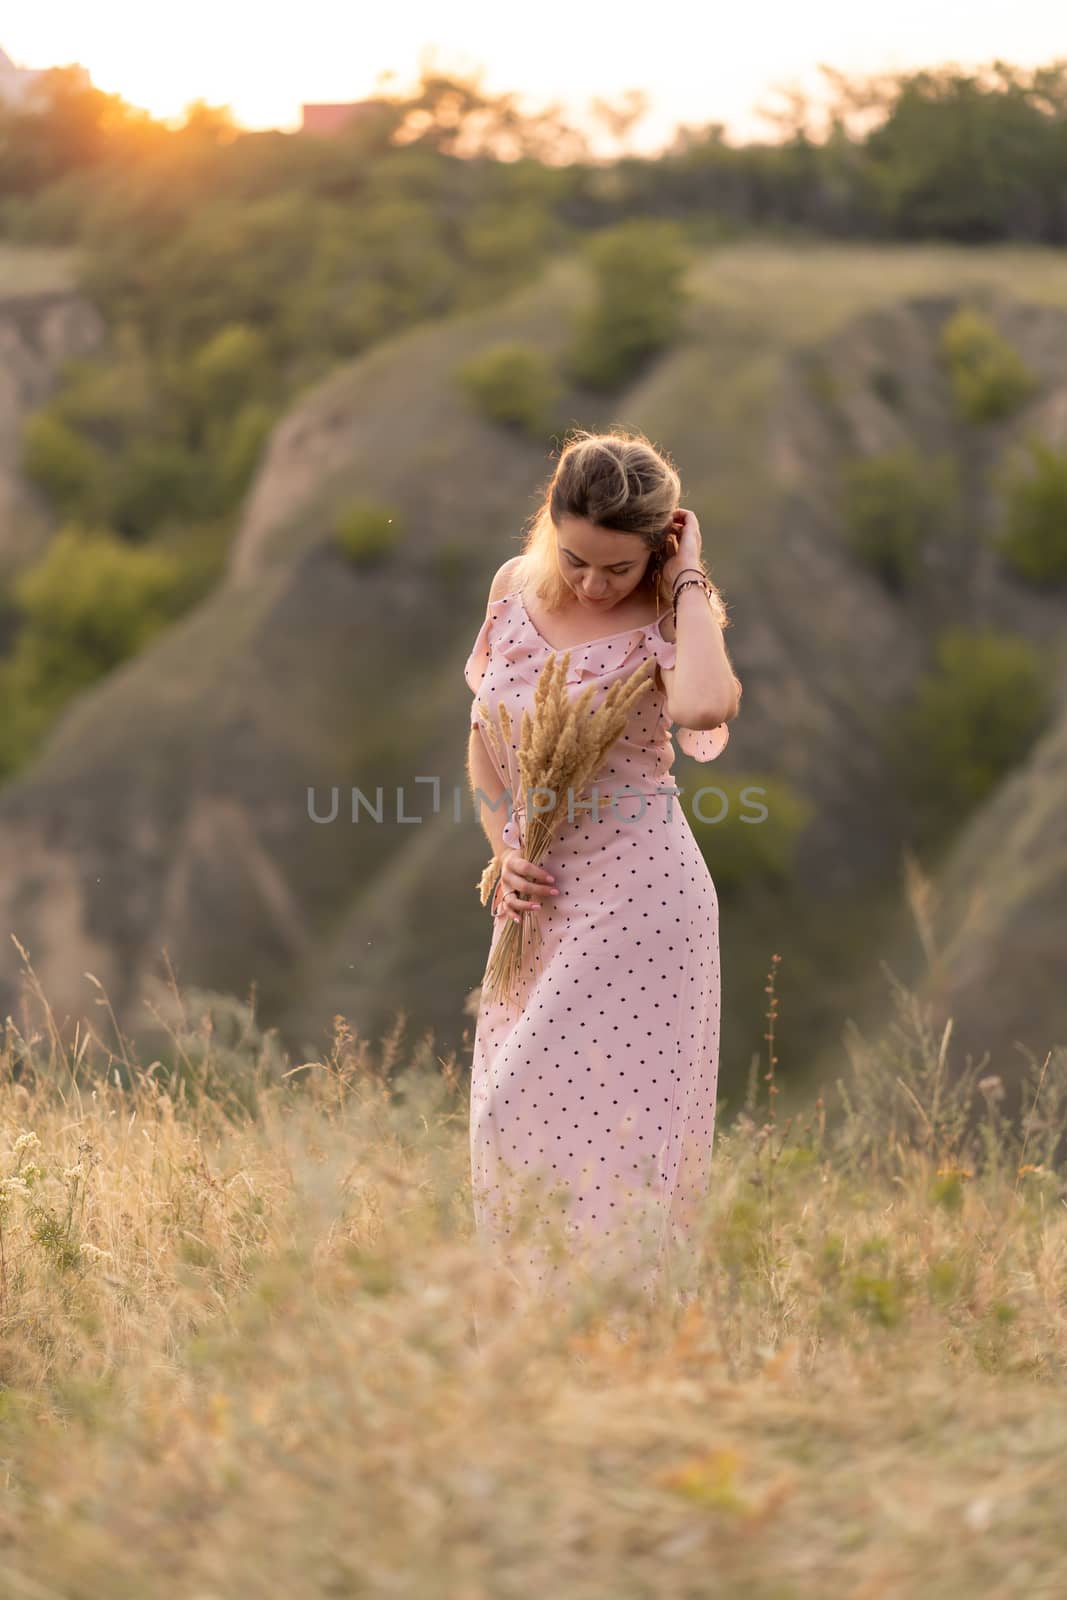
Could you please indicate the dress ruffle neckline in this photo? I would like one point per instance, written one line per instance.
(518, 642)
(515, 640)
(526, 649)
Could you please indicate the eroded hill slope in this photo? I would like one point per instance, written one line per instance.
(169, 812)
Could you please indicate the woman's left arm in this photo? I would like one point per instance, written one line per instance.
(702, 690)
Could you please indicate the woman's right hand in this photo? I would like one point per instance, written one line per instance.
(522, 879)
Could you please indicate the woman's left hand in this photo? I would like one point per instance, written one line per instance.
(683, 545)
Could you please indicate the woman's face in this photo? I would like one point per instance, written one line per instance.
(600, 566)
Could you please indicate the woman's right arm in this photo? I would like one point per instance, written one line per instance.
(483, 776)
(480, 769)
(521, 878)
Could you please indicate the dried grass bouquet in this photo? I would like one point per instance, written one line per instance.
(562, 745)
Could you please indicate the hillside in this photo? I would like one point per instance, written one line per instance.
(43, 322)
(998, 919)
(191, 765)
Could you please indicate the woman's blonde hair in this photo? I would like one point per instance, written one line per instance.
(620, 482)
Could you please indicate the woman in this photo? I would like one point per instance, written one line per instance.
(593, 1101)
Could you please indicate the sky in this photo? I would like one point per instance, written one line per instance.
(697, 61)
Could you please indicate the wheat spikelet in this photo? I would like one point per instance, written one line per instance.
(564, 754)
(547, 730)
(505, 724)
(548, 680)
(488, 880)
(489, 731)
(523, 754)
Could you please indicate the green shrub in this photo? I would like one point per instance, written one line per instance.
(155, 481)
(92, 594)
(988, 376)
(230, 369)
(109, 398)
(238, 451)
(892, 503)
(70, 470)
(366, 531)
(512, 384)
(88, 604)
(746, 847)
(1034, 541)
(638, 267)
(504, 244)
(975, 715)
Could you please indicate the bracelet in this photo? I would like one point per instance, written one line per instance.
(691, 583)
(701, 582)
(683, 572)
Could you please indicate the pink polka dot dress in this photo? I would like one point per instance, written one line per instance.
(593, 1084)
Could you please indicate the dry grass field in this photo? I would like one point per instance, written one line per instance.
(248, 1345)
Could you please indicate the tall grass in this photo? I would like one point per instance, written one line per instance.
(249, 1346)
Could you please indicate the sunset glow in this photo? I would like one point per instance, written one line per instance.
(696, 64)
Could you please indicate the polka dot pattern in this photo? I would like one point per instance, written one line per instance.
(593, 1087)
